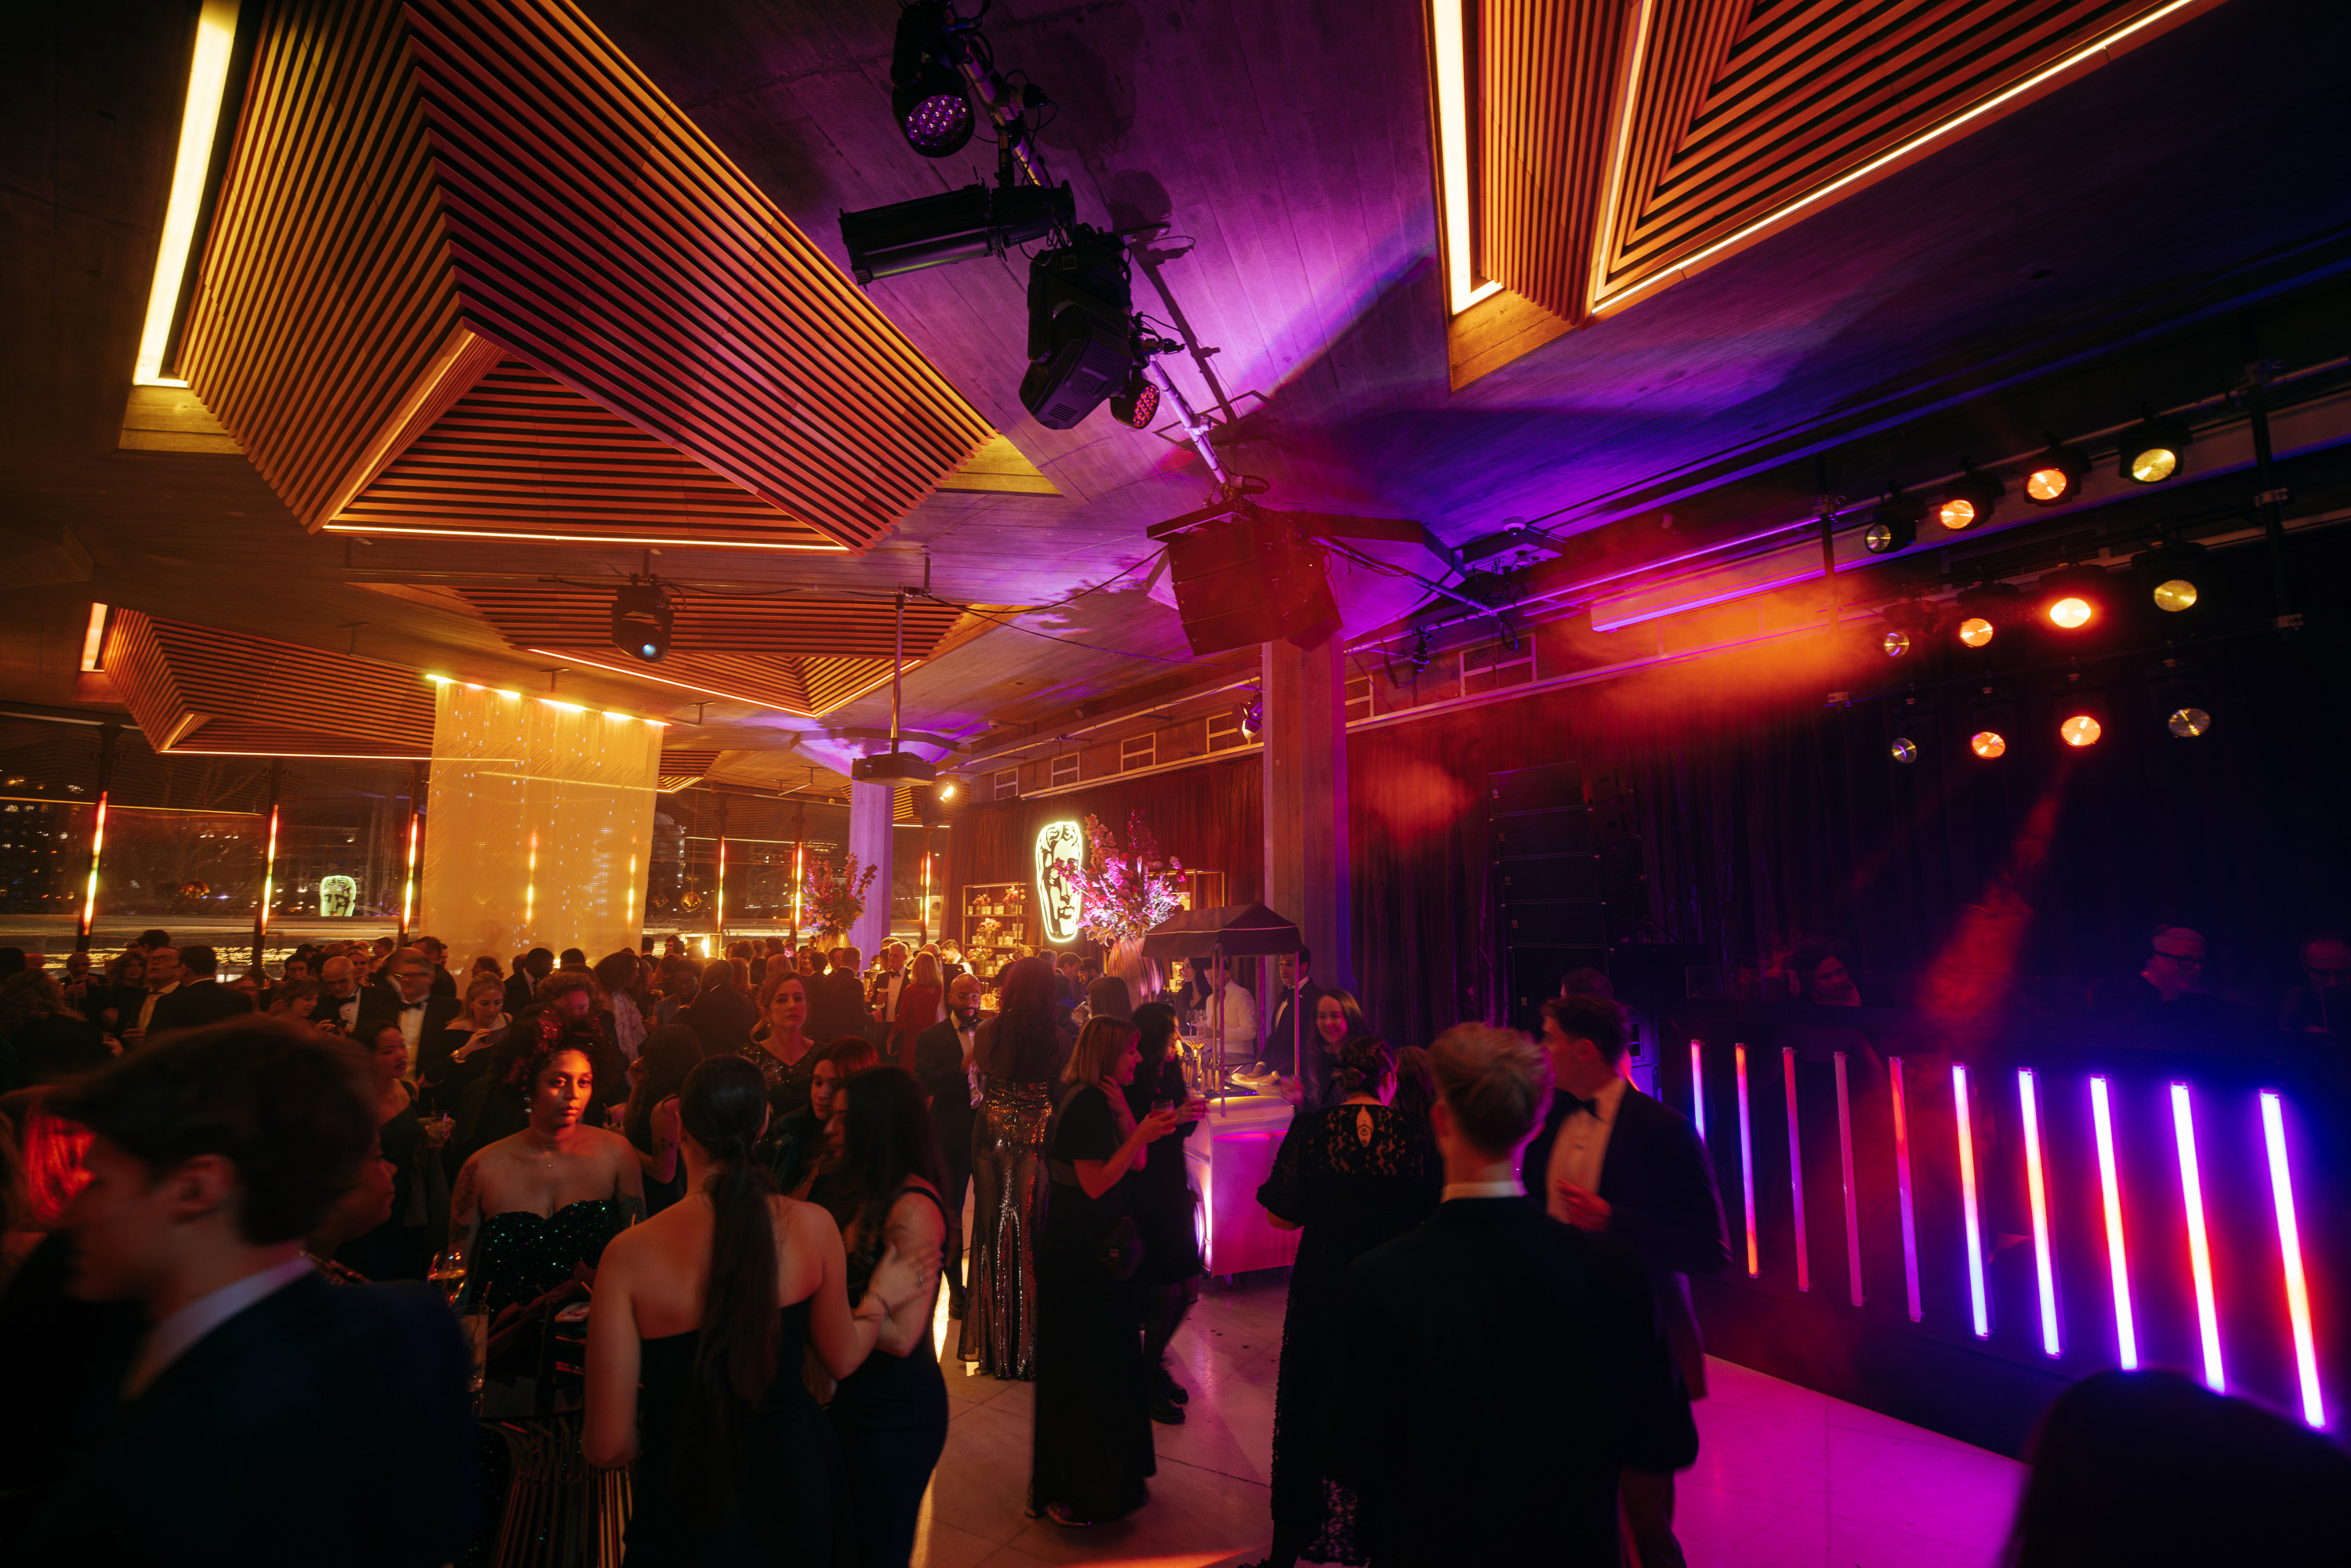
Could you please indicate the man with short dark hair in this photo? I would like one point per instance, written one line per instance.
(1293, 1025)
(882, 996)
(408, 1000)
(1613, 1160)
(535, 967)
(199, 998)
(942, 1060)
(1521, 1364)
(573, 958)
(436, 952)
(264, 1408)
(163, 979)
(154, 936)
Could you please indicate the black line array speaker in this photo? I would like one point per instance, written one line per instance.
(1251, 578)
(1568, 874)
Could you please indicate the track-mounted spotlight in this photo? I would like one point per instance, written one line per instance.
(2073, 598)
(642, 618)
(2171, 575)
(2151, 453)
(1970, 500)
(927, 94)
(2056, 476)
(1137, 402)
(1081, 344)
(1984, 609)
(1895, 525)
(956, 225)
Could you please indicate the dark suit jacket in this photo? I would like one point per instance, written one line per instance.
(520, 988)
(836, 1006)
(433, 1046)
(938, 1062)
(721, 1017)
(1662, 1203)
(1314, 1064)
(195, 1003)
(325, 1422)
(1508, 1368)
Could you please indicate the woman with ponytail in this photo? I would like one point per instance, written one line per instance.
(709, 1305)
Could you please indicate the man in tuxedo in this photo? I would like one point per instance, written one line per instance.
(881, 997)
(341, 1005)
(199, 998)
(1611, 1160)
(1509, 1367)
(522, 985)
(837, 999)
(410, 1002)
(139, 1011)
(942, 1060)
(263, 1409)
(436, 952)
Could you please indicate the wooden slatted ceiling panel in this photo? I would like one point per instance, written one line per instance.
(599, 234)
(1548, 68)
(194, 688)
(325, 291)
(1737, 120)
(833, 682)
(523, 455)
(568, 615)
(680, 769)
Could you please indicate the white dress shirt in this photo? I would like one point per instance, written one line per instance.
(1240, 1016)
(1513, 1187)
(412, 1027)
(1581, 1150)
(173, 1336)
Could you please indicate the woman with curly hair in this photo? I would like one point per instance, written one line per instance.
(533, 1208)
(1353, 1175)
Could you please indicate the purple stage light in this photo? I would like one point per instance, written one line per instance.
(2117, 1262)
(2036, 1183)
(2200, 1250)
(2297, 1292)
(1979, 1304)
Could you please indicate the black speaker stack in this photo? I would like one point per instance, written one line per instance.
(1567, 870)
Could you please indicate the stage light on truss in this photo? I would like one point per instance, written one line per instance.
(2072, 598)
(2152, 451)
(954, 225)
(1976, 631)
(1987, 744)
(641, 619)
(1895, 525)
(1081, 346)
(2188, 723)
(1984, 609)
(1138, 402)
(2056, 476)
(929, 95)
(1904, 750)
(2079, 730)
(2171, 573)
(1894, 645)
(1970, 500)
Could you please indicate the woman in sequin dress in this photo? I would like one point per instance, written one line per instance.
(779, 1047)
(1020, 1053)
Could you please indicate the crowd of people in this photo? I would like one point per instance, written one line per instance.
(705, 1210)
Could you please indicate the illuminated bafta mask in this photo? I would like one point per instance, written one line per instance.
(1059, 900)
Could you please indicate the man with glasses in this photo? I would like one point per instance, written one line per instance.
(2322, 1003)
(2174, 969)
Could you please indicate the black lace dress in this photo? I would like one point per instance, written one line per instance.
(1350, 1192)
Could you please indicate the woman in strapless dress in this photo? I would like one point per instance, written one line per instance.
(694, 1346)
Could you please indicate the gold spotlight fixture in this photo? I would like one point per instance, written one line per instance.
(2056, 476)
(1970, 500)
(2170, 572)
(2152, 453)
(2079, 730)
(1987, 744)
(2073, 598)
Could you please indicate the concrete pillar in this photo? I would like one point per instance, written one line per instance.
(871, 808)
(1305, 730)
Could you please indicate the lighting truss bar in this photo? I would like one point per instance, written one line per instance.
(1796, 1168)
(1852, 1200)
(1697, 1088)
(1746, 1160)
(2297, 1292)
(1902, 1187)
(2110, 1192)
(2037, 1188)
(2199, 1249)
(1978, 1305)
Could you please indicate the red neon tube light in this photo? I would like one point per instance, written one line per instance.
(1844, 1158)
(799, 872)
(2200, 1250)
(408, 891)
(2110, 1191)
(2036, 1182)
(96, 844)
(1978, 1305)
(1796, 1168)
(1746, 1160)
(2297, 1293)
(722, 885)
(1698, 1090)
(269, 873)
(1902, 1187)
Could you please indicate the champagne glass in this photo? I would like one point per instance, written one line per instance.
(449, 1273)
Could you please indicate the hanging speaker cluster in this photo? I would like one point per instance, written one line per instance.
(1250, 576)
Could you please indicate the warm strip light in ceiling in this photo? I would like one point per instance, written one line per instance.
(1449, 46)
(639, 672)
(670, 542)
(93, 642)
(207, 78)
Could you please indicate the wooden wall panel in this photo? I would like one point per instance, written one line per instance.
(196, 689)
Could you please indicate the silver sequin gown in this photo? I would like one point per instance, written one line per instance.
(1009, 1187)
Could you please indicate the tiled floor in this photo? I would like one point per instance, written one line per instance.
(1785, 1477)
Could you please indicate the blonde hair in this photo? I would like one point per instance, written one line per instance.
(926, 968)
(1494, 1082)
(1100, 1045)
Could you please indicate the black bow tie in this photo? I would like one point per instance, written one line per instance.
(1589, 1107)
(410, 1007)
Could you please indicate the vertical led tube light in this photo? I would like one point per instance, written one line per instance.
(2036, 1182)
(2110, 1192)
(2297, 1292)
(1746, 1160)
(530, 882)
(800, 871)
(268, 888)
(1796, 1168)
(1902, 1188)
(408, 885)
(1978, 1305)
(1851, 1196)
(90, 894)
(1697, 1088)
(2199, 1249)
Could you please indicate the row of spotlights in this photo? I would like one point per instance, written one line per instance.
(2148, 454)
(2078, 730)
(2070, 601)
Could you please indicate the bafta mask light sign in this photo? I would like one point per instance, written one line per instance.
(1058, 903)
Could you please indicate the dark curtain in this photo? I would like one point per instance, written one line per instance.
(1206, 817)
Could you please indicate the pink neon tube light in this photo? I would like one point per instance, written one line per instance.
(1746, 1160)
(1978, 1305)
(2200, 1251)
(1844, 1153)
(2117, 1262)
(1902, 1187)
(2036, 1180)
(2297, 1294)
(1698, 1090)
(1796, 1168)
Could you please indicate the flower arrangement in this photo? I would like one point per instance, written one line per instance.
(1126, 892)
(837, 898)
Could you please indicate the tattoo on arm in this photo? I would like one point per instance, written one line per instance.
(466, 1206)
(633, 1207)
